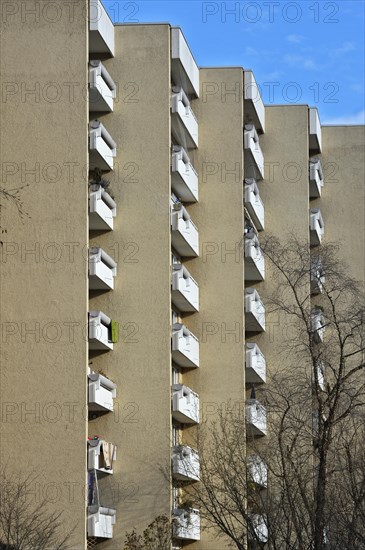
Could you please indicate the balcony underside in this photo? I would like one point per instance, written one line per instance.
(182, 302)
(253, 323)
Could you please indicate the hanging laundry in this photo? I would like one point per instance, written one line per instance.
(109, 451)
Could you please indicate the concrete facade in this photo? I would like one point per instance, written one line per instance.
(45, 293)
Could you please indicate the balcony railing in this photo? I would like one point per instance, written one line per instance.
(254, 159)
(259, 527)
(185, 346)
(184, 234)
(257, 471)
(102, 88)
(255, 365)
(316, 181)
(184, 179)
(254, 204)
(103, 332)
(316, 227)
(254, 260)
(184, 125)
(185, 404)
(255, 418)
(186, 524)
(315, 131)
(102, 147)
(101, 30)
(102, 393)
(184, 70)
(101, 514)
(185, 463)
(101, 455)
(319, 374)
(102, 210)
(317, 424)
(254, 106)
(317, 325)
(254, 311)
(317, 277)
(184, 289)
(102, 270)
(100, 521)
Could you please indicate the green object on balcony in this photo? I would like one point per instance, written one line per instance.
(115, 331)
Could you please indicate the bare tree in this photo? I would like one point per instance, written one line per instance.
(13, 197)
(157, 536)
(314, 452)
(25, 524)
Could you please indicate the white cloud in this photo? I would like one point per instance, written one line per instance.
(310, 64)
(295, 38)
(300, 61)
(359, 88)
(250, 51)
(273, 76)
(357, 118)
(345, 48)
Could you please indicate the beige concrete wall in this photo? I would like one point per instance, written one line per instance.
(219, 217)
(285, 193)
(43, 374)
(343, 195)
(140, 363)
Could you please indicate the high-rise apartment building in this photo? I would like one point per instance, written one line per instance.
(131, 310)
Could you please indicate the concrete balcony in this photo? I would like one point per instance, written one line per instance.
(102, 331)
(185, 463)
(184, 179)
(186, 524)
(257, 471)
(100, 521)
(101, 393)
(317, 323)
(319, 374)
(316, 227)
(102, 88)
(184, 289)
(316, 181)
(254, 204)
(102, 147)
(254, 106)
(184, 70)
(185, 405)
(254, 311)
(101, 455)
(102, 270)
(101, 30)
(315, 131)
(254, 159)
(102, 210)
(259, 525)
(184, 125)
(317, 277)
(185, 346)
(255, 365)
(254, 260)
(184, 234)
(255, 418)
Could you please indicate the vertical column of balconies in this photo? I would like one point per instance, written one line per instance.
(184, 288)
(315, 176)
(316, 233)
(102, 330)
(254, 265)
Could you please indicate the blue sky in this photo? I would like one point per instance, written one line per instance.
(301, 52)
